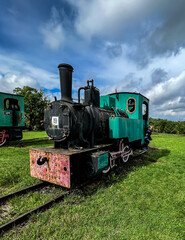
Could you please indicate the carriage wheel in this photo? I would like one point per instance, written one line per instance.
(2, 137)
(3, 142)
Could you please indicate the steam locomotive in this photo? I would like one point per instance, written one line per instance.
(89, 137)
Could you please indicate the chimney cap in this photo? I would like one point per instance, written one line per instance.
(65, 65)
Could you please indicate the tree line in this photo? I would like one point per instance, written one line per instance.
(166, 126)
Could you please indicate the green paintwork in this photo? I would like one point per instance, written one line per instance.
(6, 115)
(135, 126)
(124, 127)
(103, 161)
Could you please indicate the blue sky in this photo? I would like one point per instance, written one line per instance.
(135, 45)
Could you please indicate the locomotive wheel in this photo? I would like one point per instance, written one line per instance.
(106, 170)
(2, 143)
(125, 158)
(125, 149)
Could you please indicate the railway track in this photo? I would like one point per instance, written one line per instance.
(22, 191)
(24, 217)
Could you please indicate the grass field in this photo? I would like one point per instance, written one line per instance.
(144, 199)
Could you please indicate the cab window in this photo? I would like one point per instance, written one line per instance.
(131, 105)
(11, 104)
(145, 110)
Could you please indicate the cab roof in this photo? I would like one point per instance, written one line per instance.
(128, 93)
(11, 94)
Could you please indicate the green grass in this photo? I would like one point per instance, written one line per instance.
(14, 162)
(145, 199)
(35, 134)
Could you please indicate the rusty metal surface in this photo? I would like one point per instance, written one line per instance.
(57, 167)
(56, 170)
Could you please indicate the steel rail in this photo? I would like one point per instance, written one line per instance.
(22, 191)
(24, 217)
(7, 226)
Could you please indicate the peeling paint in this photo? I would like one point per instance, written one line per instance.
(56, 170)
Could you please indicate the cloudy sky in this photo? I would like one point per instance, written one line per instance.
(128, 45)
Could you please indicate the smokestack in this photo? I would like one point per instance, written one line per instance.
(65, 72)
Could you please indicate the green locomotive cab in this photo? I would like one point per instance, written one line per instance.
(132, 129)
(11, 117)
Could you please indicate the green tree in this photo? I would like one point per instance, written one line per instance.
(34, 103)
(166, 126)
(180, 126)
(170, 127)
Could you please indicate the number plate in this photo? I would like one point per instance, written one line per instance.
(55, 121)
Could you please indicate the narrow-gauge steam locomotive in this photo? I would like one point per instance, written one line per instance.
(11, 117)
(89, 137)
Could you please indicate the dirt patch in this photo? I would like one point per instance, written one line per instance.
(5, 209)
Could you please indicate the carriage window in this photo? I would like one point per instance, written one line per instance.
(7, 104)
(145, 110)
(11, 104)
(131, 105)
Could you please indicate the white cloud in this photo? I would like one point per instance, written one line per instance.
(171, 110)
(168, 91)
(150, 28)
(17, 73)
(10, 81)
(122, 74)
(54, 36)
(108, 17)
(54, 32)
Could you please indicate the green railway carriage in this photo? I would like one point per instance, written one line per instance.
(136, 106)
(11, 117)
